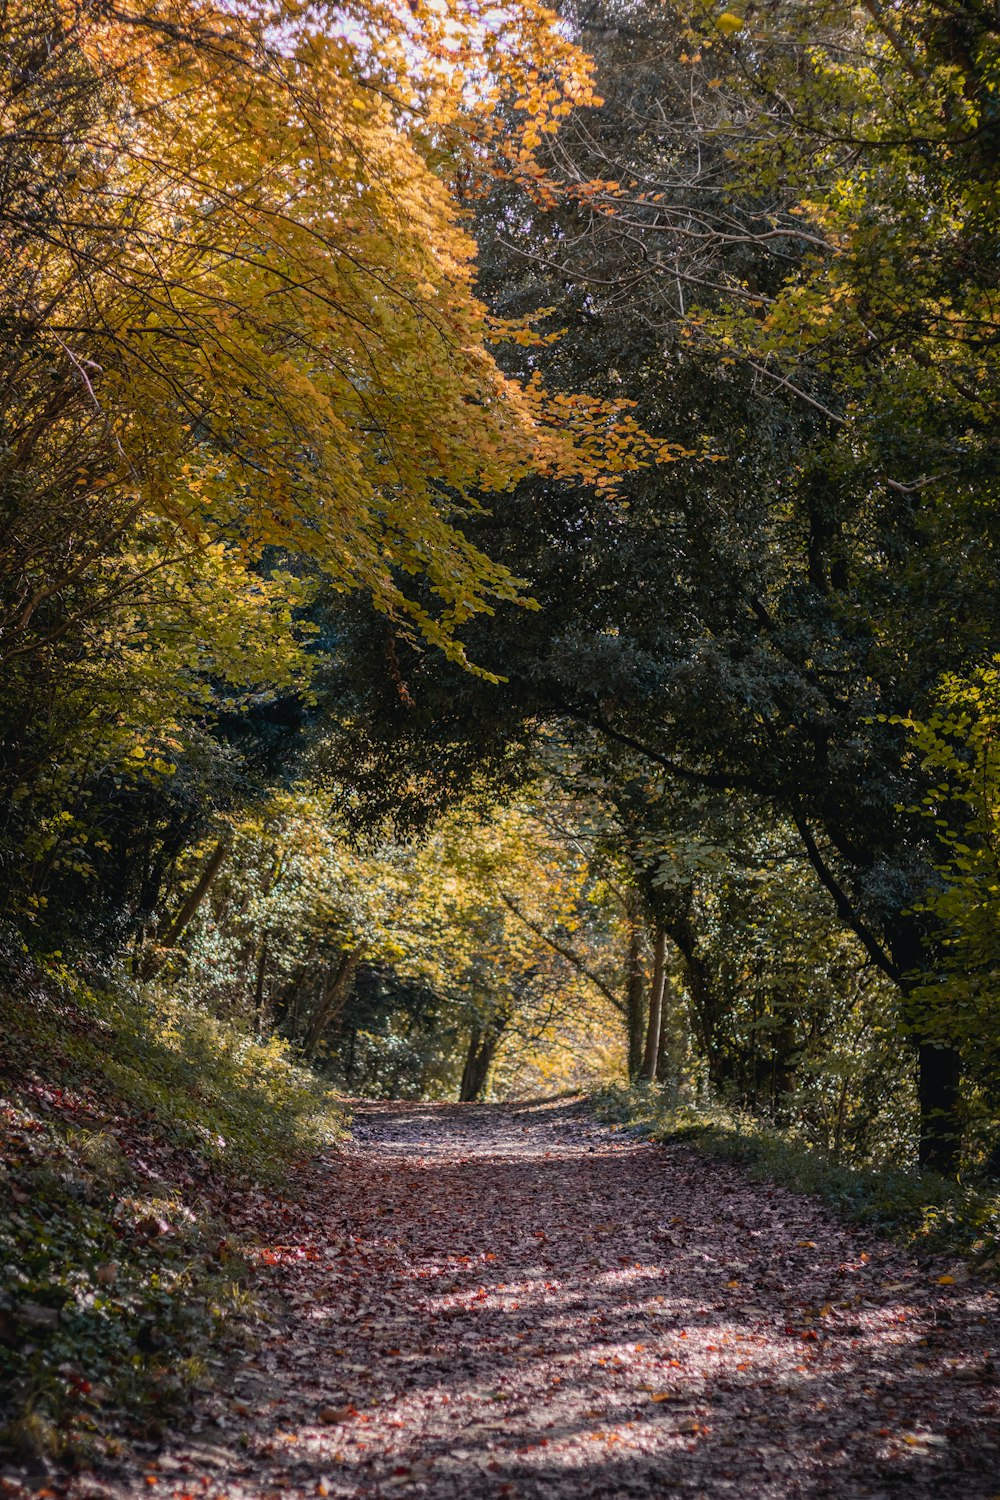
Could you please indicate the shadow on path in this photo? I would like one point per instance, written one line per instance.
(514, 1301)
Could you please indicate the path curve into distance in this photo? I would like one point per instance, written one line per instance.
(513, 1301)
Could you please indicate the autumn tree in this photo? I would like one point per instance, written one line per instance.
(744, 269)
(243, 350)
(400, 965)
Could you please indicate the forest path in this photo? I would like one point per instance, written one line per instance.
(492, 1301)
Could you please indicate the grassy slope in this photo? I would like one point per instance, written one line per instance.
(131, 1132)
(927, 1212)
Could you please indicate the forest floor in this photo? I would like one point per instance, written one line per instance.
(518, 1302)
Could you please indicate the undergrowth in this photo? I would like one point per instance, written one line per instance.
(131, 1125)
(929, 1213)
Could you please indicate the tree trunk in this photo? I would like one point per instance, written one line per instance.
(652, 1048)
(667, 1070)
(938, 1064)
(938, 1078)
(784, 1056)
(332, 1002)
(157, 957)
(708, 1013)
(634, 993)
(478, 1061)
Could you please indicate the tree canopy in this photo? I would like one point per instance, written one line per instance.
(500, 537)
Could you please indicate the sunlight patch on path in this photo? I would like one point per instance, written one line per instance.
(517, 1303)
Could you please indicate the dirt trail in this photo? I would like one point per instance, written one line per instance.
(516, 1302)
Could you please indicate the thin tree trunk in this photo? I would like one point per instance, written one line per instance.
(652, 1048)
(634, 991)
(466, 1087)
(666, 1063)
(478, 1061)
(708, 1010)
(157, 957)
(258, 991)
(784, 1054)
(841, 1121)
(938, 1064)
(333, 1002)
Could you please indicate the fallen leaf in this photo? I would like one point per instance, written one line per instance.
(331, 1414)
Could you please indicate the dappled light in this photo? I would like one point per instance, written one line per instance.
(530, 1303)
(499, 749)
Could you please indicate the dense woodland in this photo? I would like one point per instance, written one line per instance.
(499, 547)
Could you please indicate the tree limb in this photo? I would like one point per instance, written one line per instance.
(564, 951)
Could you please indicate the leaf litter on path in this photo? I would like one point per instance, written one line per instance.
(514, 1302)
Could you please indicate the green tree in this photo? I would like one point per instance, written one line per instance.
(742, 269)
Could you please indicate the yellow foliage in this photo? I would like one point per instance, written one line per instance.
(251, 264)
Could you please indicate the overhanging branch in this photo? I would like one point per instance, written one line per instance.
(563, 950)
(843, 903)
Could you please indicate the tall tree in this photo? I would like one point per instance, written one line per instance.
(734, 249)
(242, 345)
